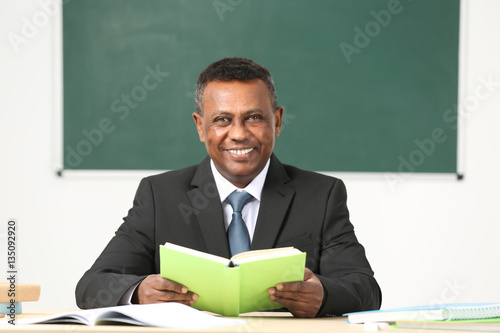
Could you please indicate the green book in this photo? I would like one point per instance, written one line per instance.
(232, 286)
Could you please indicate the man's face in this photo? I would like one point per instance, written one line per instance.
(238, 128)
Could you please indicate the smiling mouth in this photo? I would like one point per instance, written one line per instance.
(240, 151)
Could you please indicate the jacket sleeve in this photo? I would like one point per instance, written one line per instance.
(344, 271)
(127, 259)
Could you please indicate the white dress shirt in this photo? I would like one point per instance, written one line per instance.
(225, 188)
(251, 209)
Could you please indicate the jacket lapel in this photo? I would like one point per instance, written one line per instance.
(206, 202)
(275, 200)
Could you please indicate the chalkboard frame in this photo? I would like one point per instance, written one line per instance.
(97, 136)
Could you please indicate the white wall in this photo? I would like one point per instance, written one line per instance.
(428, 239)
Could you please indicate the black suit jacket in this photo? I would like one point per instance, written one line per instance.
(298, 208)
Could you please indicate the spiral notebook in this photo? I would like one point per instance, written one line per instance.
(428, 312)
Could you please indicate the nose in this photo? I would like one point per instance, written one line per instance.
(238, 131)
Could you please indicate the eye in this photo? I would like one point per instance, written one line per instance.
(255, 117)
(221, 119)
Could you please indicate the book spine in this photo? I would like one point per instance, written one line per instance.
(11, 308)
(232, 291)
(24, 292)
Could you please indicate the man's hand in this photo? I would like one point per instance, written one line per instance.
(155, 289)
(303, 299)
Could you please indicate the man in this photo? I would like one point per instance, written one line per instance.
(238, 119)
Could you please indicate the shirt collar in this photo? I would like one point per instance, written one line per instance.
(225, 187)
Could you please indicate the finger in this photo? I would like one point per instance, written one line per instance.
(287, 302)
(154, 289)
(308, 274)
(301, 287)
(170, 296)
(293, 296)
(157, 296)
(160, 283)
(303, 299)
(172, 286)
(309, 284)
(288, 296)
(297, 308)
(305, 308)
(189, 303)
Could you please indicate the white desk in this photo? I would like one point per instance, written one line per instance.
(257, 322)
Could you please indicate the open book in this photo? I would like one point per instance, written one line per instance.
(236, 285)
(172, 315)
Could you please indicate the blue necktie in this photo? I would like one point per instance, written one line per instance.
(237, 233)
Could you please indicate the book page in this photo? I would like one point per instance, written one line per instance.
(83, 317)
(196, 253)
(263, 254)
(171, 315)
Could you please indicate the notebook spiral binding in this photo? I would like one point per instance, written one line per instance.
(473, 312)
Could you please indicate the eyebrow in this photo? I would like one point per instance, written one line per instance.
(228, 113)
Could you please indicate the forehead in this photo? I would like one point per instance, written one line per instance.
(231, 95)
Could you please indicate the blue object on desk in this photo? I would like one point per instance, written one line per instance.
(7, 307)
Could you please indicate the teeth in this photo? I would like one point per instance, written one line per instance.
(240, 151)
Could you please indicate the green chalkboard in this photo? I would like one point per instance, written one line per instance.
(367, 85)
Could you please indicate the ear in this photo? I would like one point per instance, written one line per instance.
(198, 120)
(278, 118)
